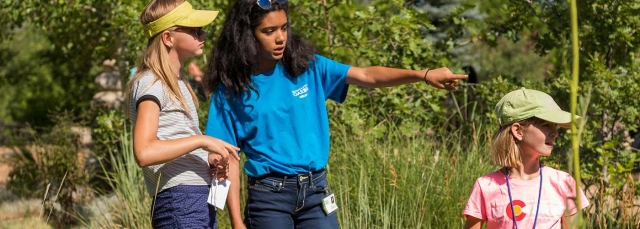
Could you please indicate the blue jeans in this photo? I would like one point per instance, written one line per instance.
(289, 201)
(183, 206)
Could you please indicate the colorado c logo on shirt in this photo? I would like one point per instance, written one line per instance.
(517, 209)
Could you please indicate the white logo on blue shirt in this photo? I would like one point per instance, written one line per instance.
(301, 92)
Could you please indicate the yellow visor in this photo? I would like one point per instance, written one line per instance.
(183, 15)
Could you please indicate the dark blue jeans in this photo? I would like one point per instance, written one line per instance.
(287, 202)
(183, 206)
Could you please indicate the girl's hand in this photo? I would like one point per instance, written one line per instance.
(217, 146)
(219, 157)
(443, 78)
(218, 169)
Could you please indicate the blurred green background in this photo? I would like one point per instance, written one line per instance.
(402, 157)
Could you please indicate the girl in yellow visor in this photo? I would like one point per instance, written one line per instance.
(168, 145)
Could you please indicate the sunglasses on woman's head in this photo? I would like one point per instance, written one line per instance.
(266, 4)
(195, 32)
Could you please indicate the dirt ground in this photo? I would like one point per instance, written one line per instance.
(4, 168)
(16, 213)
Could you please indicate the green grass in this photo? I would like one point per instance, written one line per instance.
(399, 182)
(131, 207)
(404, 182)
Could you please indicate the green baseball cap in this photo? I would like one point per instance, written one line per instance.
(525, 103)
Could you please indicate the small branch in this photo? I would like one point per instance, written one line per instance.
(610, 48)
(394, 45)
(322, 28)
(326, 18)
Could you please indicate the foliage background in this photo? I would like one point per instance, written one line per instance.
(51, 50)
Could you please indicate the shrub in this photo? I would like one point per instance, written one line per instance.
(49, 164)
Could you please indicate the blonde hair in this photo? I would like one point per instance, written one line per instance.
(155, 57)
(505, 151)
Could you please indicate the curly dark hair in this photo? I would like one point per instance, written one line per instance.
(235, 56)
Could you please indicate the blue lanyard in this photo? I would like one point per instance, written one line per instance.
(513, 212)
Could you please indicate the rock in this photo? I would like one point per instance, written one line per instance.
(109, 65)
(108, 99)
(84, 134)
(109, 81)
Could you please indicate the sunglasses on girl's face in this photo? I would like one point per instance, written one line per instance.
(195, 32)
(266, 4)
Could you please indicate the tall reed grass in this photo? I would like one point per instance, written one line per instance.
(421, 181)
(132, 208)
(405, 182)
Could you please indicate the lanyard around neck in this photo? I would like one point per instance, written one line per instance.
(513, 212)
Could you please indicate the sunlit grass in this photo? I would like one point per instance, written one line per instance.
(405, 182)
(420, 181)
(131, 207)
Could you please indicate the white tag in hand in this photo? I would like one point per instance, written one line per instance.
(329, 204)
(218, 193)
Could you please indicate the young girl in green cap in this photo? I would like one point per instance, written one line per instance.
(167, 142)
(525, 193)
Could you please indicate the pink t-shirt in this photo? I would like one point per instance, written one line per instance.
(489, 200)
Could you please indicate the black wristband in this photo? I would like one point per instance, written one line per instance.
(425, 76)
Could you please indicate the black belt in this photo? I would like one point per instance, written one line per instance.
(292, 178)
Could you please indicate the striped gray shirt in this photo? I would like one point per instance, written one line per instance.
(174, 123)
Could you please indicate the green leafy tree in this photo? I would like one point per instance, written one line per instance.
(387, 33)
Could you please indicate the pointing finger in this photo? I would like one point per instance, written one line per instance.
(459, 76)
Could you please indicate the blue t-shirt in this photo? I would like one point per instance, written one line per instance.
(284, 129)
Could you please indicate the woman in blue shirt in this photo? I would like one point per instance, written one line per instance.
(269, 91)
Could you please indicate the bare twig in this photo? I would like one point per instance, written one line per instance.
(326, 18)
(44, 200)
(57, 194)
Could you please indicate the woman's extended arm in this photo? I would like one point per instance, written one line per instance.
(374, 77)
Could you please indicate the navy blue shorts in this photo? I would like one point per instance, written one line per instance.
(183, 206)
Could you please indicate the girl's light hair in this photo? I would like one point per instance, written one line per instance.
(155, 57)
(505, 151)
